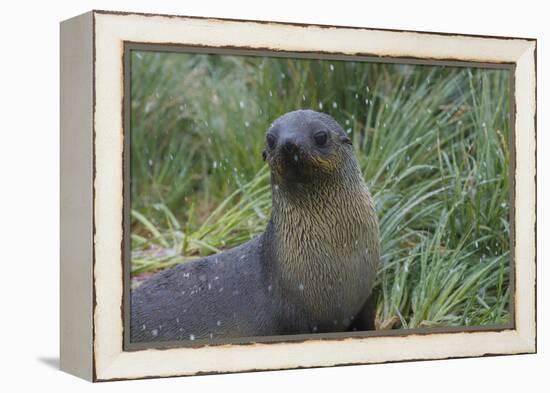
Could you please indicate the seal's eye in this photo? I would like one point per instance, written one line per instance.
(320, 138)
(271, 141)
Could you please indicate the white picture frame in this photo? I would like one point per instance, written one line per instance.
(92, 195)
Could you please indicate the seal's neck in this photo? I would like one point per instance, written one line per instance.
(321, 233)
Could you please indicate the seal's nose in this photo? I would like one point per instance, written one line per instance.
(290, 146)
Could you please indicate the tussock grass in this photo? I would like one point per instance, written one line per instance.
(433, 144)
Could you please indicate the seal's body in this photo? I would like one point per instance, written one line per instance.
(311, 271)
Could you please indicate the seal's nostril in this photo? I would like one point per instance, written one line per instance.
(290, 147)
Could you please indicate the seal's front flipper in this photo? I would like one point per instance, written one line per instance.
(366, 317)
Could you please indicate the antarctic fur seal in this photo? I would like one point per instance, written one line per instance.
(311, 271)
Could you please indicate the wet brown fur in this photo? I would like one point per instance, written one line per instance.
(326, 233)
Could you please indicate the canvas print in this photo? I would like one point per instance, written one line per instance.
(274, 195)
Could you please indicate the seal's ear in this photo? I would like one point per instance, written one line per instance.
(345, 139)
(264, 154)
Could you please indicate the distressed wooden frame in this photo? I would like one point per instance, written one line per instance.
(92, 195)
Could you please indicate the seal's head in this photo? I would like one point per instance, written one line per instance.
(304, 145)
